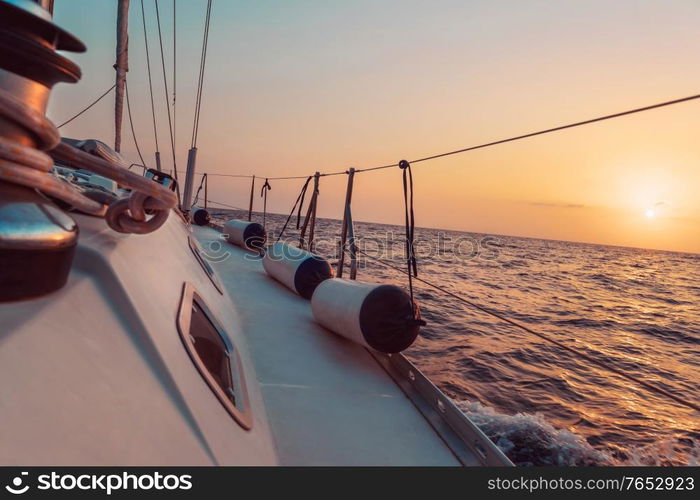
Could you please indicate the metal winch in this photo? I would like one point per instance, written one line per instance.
(37, 239)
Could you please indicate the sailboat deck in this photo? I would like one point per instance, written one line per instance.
(98, 373)
(328, 401)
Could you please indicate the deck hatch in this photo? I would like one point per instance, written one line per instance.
(213, 355)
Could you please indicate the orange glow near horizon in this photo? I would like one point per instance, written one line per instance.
(292, 89)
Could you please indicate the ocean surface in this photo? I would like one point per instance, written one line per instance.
(635, 309)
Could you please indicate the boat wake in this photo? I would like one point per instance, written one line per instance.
(529, 440)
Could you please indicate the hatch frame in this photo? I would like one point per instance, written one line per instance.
(241, 409)
(208, 269)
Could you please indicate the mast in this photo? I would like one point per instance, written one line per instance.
(192, 154)
(47, 5)
(122, 66)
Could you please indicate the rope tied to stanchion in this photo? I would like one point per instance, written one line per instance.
(410, 255)
(199, 189)
(586, 357)
(302, 195)
(310, 219)
(32, 167)
(300, 202)
(263, 194)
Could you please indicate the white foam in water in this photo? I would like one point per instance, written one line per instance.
(524, 275)
(664, 452)
(528, 439)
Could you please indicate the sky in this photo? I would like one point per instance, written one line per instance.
(294, 87)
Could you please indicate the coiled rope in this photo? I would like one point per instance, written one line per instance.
(31, 167)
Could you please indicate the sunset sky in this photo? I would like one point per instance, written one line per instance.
(298, 86)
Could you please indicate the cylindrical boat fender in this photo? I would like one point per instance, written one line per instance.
(200, 216)
(297, 269)
(378, 316)
(245, 234)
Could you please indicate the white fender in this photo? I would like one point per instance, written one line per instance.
(297, 269)
(199, 215)
(245, 234)
(377, 316)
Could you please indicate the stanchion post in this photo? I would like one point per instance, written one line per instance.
(310, 219)
(313, 214)
(206, 190)
(344, 233)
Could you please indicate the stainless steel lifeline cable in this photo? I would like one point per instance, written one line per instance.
(606, 366)
(500, 141)
(411, 270)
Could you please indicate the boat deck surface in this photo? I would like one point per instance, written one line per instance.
(327, 399)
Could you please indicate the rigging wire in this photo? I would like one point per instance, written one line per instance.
(88, 106)
(545, 131)
(174, 74)
(235, 175)
(150, 81)
(240, 176)
(227, 206)
(547, 338)
(330, 174)
(131, 123)
(513, 139)
(200, 82)
(405, 166)
(167, 102)
(410, 271)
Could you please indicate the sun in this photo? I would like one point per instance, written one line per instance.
(650, 213)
